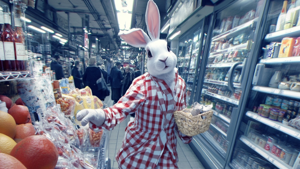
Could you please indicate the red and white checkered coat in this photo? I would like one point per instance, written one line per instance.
(150, 141)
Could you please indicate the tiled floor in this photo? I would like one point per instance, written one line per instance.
(187, 158)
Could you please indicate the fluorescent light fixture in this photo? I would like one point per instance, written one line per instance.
(25, 19)
(165, 28)
(80, 46)
(124, 13)
(59, 35)
(93, 46)
(63, 40)
(174, 35)
(63, 43)
(29, 34)
(47, 29)
(56, 37)
(35, 28)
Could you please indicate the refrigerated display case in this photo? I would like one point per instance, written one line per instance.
(231, 42)
(269, 123)
(191, 46)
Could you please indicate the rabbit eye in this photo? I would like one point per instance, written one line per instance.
(168, 47)
(149, 54)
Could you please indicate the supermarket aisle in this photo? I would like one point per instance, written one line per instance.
(187, 159)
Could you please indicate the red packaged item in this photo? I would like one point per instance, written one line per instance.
(296, 49)
(81, 134)
(95, 137)
(67, 104)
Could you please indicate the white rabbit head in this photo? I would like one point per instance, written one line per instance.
(160, 60)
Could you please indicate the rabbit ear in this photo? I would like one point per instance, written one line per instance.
(135, 37)
(153, 20)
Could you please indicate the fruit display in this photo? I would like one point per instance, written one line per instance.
(11, 162)
(6, 144)
(19, 113)
(7, 124)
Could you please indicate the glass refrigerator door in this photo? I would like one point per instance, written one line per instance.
(231, 43)
(269, 132)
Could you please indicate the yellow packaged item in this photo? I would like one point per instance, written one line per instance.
(286, 49)
(97, 103)
(86, 91)
(78, 107)
(88, 102)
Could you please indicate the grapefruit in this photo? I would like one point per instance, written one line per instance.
(23, 131)
(7, 124)
(19, 102)
(36, 152)
(6, 144)
(7, 100)
(19, 113)
(8, 161)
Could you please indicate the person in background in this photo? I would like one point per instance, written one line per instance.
(116, 85)
(137, 72)
(128, 78)
(90, 77)
(104, 73)
(57, 68)
(77, 75)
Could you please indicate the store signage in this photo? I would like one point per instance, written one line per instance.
(86, 40)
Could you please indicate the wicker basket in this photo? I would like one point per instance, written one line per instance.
(192, 125)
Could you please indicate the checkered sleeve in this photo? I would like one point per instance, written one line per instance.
(129, 103)
(182, 105)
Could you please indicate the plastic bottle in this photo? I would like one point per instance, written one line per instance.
(3, 106)
(291, 16)
(282, 16)
(19, 42)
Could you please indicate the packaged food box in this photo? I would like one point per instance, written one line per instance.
(287, 46)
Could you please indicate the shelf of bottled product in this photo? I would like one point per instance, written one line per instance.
(234, 48)
(219, 130)
(222, 83)
(235, 165)
(8, 76)
(234, 31)
(224, 98)
(279, 35)
(276, 125)
(221, 65)
(221, 116)
(264, 153)
(279, 92)
(214, 143)
(287, 60)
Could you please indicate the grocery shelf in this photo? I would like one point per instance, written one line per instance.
(235, 31)
(221, 65)
(234, 48)
(214, 143)
(287, 60)
(223, 83)
(229, 100)
(279, 35)
(276, 125)
(221, 116)
(219, 130)
(266, 154)
(279, 92)
(8, 76)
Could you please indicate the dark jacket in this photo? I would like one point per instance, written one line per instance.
(91, 75)
(137, 73)
(128, 78)
(116, 77)
(104, 73)
(77, 78)
(57, 68)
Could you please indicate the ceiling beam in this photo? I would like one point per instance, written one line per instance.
(74, 11)
(97, 19)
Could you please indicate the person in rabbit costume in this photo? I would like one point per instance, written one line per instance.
(150, 140)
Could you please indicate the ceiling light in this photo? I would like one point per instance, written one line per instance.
(174, 35)
(124, 13)
(47, 29)
(165, 28)
(25, 19)
(35, 28)
(57, 34)
(56, 37)
(63, 40)
(80, 46)
(63, 43)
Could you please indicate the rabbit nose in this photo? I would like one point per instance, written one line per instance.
(163, 60)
